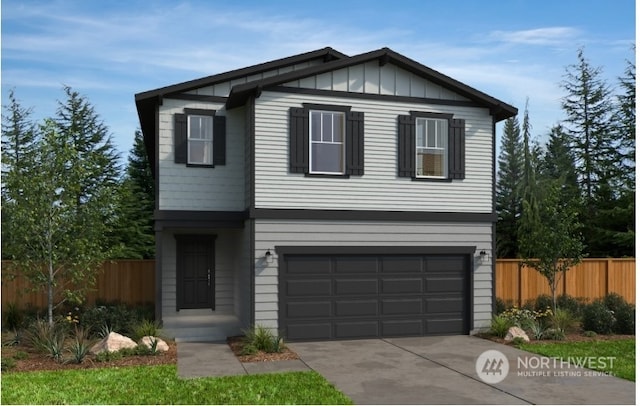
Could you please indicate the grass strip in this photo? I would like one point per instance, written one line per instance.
(160, 385)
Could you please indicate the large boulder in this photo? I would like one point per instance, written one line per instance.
(515, 332)
(112, 343)
(161, 345)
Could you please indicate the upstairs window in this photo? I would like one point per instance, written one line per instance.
(327, 149)
(431, 148)
(200, 140)
(326, 140)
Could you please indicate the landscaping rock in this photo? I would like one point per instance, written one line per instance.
(161, 345)
(515, 332)
(112, 343)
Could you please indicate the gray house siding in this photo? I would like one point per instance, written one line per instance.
(272, 233)
(379, 188)
(190, 188)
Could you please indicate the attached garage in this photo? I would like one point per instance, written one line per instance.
(368, 292)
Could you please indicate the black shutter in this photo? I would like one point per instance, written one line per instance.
(406, 147)
(298, 140)
(355, 143)
(219, 140)
(180, 138)
(456, 149)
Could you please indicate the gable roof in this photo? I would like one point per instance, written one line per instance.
(499, 109)
(147, 102)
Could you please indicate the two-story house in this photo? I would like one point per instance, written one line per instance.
(326, 196)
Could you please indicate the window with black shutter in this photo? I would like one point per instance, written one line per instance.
(199, 138)
(326, 140)
(431, 146)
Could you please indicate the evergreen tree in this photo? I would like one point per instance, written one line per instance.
(508, 198)
(558, 164)
(626, 127)
(588, 108)
(62, 201)
(133, 232)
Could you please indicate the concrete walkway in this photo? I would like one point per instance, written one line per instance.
(424, 370)
(197, 360)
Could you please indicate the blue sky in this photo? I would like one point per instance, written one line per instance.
(110, 50)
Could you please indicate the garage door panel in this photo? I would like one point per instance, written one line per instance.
(402, 306)
(309, 287)
(365, 296)
(445, 285)
(357, 329)
(309, 309)
(356, 286)
(446, 326)
(309, 331)
(402, 328)
(445, 264)
(405, 285)
(364, 308)
(434, 305)
(356, 265)
(308, 265)
(401, 264)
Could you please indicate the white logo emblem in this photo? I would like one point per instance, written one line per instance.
(492, 366)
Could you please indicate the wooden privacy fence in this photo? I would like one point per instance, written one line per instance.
(591, 279)
(127, 281)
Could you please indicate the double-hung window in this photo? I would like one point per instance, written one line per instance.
(327, 144)
(431, 147)
(200, 140)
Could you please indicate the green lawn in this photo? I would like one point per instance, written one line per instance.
(624, 351)
(160, 385)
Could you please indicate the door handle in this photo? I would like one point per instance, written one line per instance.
(209, 277)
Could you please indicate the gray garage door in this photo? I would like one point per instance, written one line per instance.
(365, 296)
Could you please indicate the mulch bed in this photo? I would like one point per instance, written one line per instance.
(35, 361)
(236, 343)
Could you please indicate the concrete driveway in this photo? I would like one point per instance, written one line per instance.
(442, 370)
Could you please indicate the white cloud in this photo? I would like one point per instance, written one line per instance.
(537, 36)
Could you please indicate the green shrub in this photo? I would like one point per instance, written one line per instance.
(145, 327)
(537, 329)
(522, 317)
(13, 317)
(260, 338)
(598, 318)
(623, 312)
(80, 345)
(47, 338)
(517, 341)
(540, 303)
(20, 355)
(563, 320)
(502, 305)
(107, 356)
(572, 304)
(589, 333)
(500, 326)
(7, 364)
(554, 334)
(119, 317)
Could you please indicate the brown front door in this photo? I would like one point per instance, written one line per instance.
(195, 272)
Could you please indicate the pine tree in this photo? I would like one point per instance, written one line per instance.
(588, 108)
(133, 232)
(62, 202)
(626, 127)
(558, 164)
(508, 198)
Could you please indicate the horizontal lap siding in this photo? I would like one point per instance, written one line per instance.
(380, 188)
(191, 188)
(272, 233)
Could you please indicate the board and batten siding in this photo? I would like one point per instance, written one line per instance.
(272, 233)
(223, 89)
(379, 188)
(371, 78)
(192, 188)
